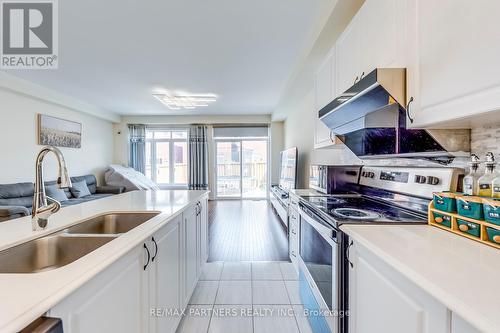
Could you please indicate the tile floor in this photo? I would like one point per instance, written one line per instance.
(246, 297)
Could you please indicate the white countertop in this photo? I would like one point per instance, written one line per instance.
(441, 263)
(25, 297)
(306, 192)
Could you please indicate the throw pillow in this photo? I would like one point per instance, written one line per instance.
(80, 189)
(56, 193)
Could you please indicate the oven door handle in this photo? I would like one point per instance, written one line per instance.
(326, 232)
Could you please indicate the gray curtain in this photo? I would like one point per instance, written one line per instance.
(137, 158)
(198, 158)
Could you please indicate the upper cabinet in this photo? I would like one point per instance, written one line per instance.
(373, 39)
(348, 65)
(454, 70)
(325, 87)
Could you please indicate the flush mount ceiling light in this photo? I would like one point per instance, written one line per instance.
(181, 100)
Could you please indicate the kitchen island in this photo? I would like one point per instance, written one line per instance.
(417, 278)
(105, 287)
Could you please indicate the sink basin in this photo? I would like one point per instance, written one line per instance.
(47, 253)
(111, 223)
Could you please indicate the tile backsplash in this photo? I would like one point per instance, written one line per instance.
(485, 139)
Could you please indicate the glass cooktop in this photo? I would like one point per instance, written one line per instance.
(361, 209)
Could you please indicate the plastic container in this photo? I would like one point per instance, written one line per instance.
(493, 235)
(470, 228)
(441, 219)
(491, 209)
(470, 206)
(445, 201)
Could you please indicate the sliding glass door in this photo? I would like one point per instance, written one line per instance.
(241, 168)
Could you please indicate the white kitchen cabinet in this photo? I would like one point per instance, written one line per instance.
(116, 300)
(348, 64)
(203, 221)
(375, 38)
(165, 277)
(141, 292)
(454, 71)
(382, 35)
(382, 300)
(325, 92)
(190, 251)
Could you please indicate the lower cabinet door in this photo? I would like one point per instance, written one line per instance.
(116, 300)
(190, 252)
(382, 300)
(165, 291)
(203, 232)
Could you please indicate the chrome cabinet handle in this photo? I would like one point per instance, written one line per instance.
(149, 256)
(408, 110)
(347, 254)
(156, 249)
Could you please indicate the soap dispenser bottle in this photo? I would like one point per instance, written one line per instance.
(485, 182)
(495, 186)
(470, 180)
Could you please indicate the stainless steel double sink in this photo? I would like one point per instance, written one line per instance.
(68, 245)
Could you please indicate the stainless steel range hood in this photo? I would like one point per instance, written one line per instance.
(370, 118)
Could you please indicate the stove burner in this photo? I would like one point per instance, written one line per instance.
(355, 214)
(324, 201)
(334, 201)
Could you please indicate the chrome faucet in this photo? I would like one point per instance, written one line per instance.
(41, 209)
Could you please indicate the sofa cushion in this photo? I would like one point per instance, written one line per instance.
(89, 179)
(20, 194)
(56, 193)
(10, 211)
(80, 189)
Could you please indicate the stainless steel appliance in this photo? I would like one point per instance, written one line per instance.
(330, 179)
(370, 118)
(384, 196)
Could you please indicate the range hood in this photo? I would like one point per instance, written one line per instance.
(370, 118)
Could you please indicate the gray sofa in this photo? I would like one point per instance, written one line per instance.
(16, 200)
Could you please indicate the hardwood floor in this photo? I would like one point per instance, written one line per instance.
(245, 230)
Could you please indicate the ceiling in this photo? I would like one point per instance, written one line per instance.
(114, 54)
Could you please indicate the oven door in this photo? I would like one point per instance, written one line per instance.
(319, 251)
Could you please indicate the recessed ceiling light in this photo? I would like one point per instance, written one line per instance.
(182, 100)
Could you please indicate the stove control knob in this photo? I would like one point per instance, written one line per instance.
(371, 174)
(432, 180)
(420, 179)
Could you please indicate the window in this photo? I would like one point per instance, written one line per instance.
(167, 156)
(241, 161)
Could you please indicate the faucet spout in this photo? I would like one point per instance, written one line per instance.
(41, 208)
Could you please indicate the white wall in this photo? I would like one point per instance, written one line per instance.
(18, 139)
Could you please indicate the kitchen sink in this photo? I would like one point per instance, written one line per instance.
(47, 253)
(111, 223)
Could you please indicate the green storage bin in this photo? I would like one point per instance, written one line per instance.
(471, 207)
(470, 228)
(441, 219)
(445, 201)
(491, 209)
(493, 235)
